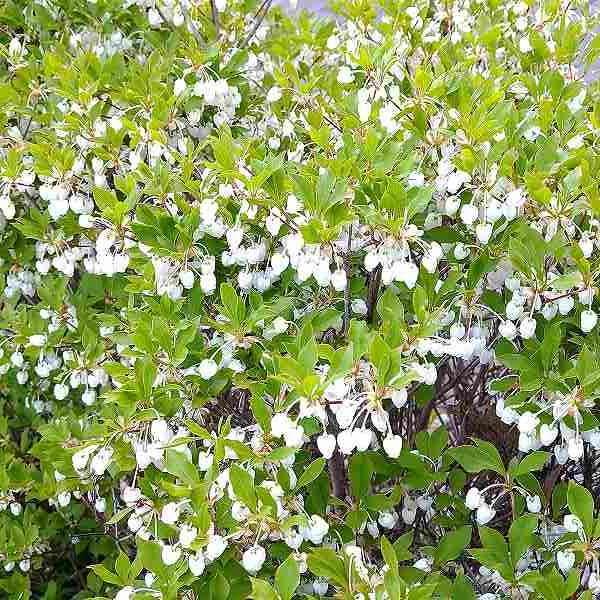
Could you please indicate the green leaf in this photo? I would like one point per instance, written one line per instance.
(287, 578)
(219, 587)
(177, 463)
(358, 334)
(473, 459)
(242, 450)
(262, 590)
(269, 507)
(452, 544)
(394, 585)
(581, 504)
(119, 515)
(149, 554)
(122, 566)
(402, 546)
(243, 486)
(390, 307)
(520, 535)
(482, 265)
(261, 412)
(532, 462)
(495, 553)
(281, 453)
(389, 554)
(424, 591)
(107, 575)
(324, 562)
(311, 473)
(550, 344)
(549, 584)
(418, 200)
(145, 371)
(568, 281)
(198, 430)
(379, 353)
(105, 199)
(233, 305)
(359, 473)
(444, 235)
(420, 302)
(462, 589)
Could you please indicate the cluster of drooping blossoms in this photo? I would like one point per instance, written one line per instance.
(560, 540)
(217, 95)
(394, 257)
(485, 510)
(27, 555)
(170, 13)
(101, 45)
(259, 269)
(525, 302)
(360, 411)
(202, 546)
(68, 369)
(551, 418)
(172, 278)
(21, 282)
(558, 423)
(103, 247)
(12, 184)
(27, 558)
(571, 535)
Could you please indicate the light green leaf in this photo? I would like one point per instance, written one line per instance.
(311, 472)
(287, 578)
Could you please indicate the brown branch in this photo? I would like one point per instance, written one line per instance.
(215, 16)
(348, 270)
(374, 281)
(336, 464)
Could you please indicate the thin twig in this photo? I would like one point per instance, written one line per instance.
(192, 26)
(259, 17)
(374, 281)
(215, 16)
(348, 269)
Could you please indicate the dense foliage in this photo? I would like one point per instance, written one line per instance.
(297, 307)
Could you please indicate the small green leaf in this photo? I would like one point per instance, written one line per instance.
(287, 578)
(107, 575)
(311, 472)
(122, 566)
(262, 590)
(452, 544)
(521, 536)
(177, 464)
(233, 305)
(324, 562)
(279, 454)
(260, 411)
(581, 504)
(243, 486)
(359, 473)
(532, 462)
(149, 554)
(481, 457)
(462, 589)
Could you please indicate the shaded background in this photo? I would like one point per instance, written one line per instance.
(318, 6)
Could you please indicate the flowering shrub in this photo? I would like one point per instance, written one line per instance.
(298, 307)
